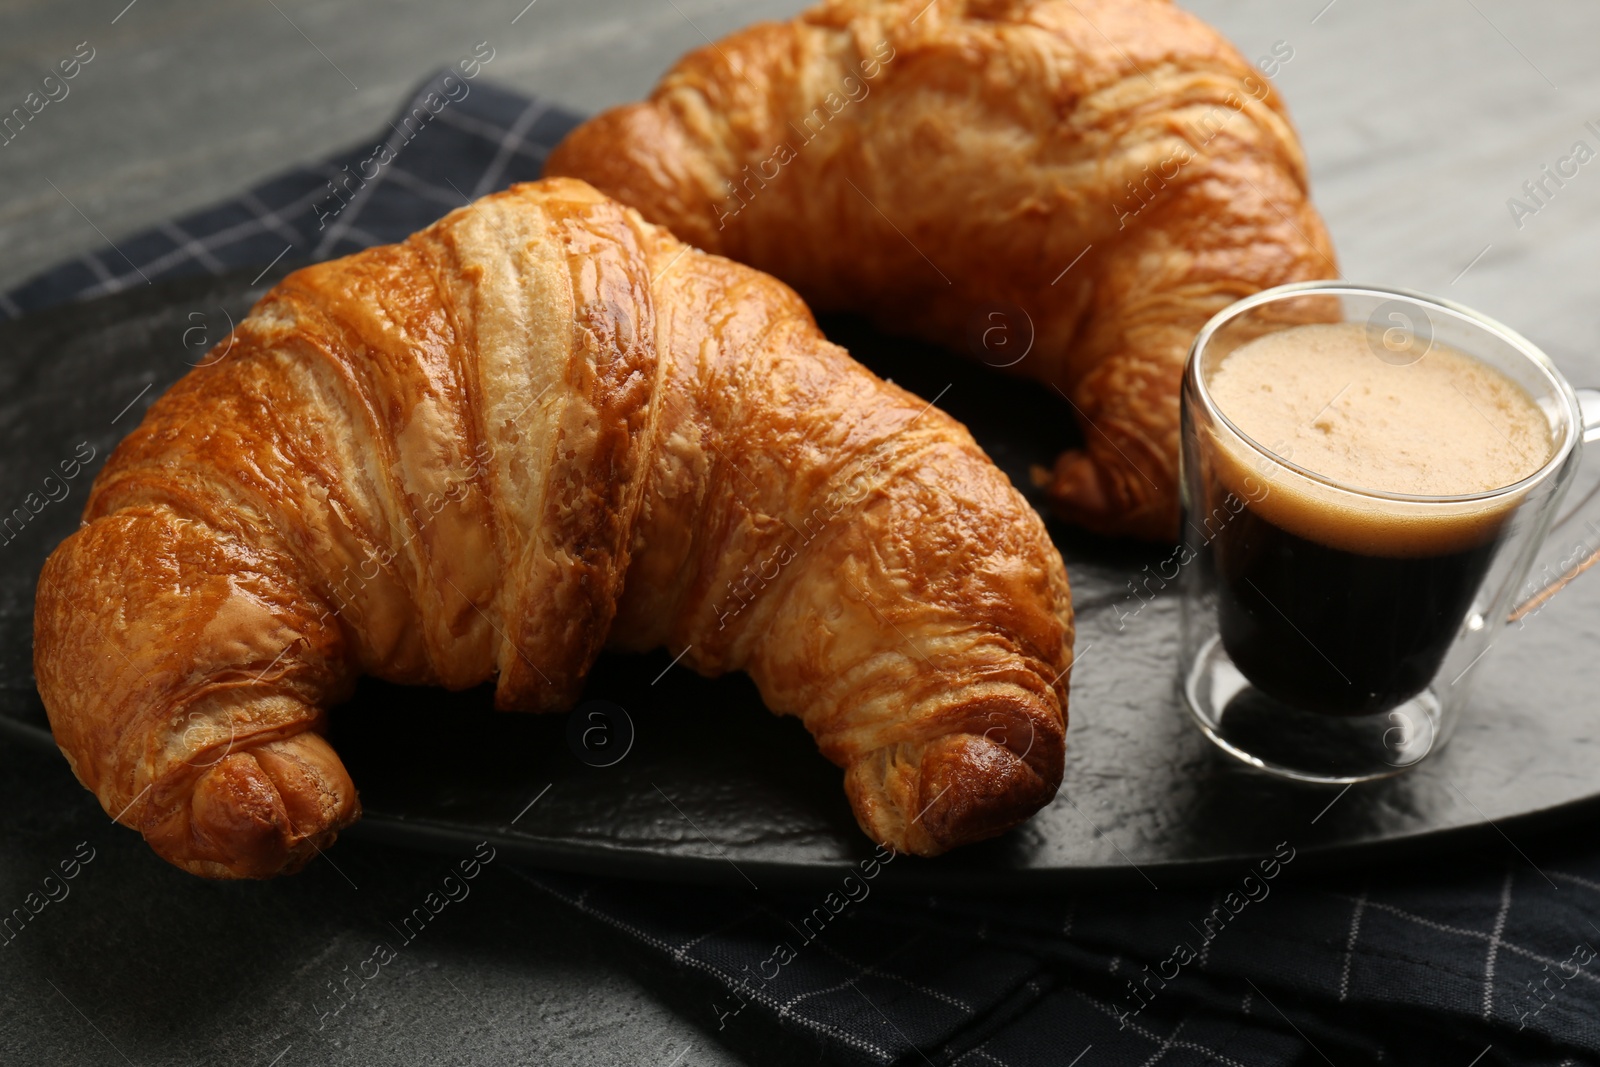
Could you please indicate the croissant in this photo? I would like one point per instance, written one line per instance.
(538, 427)
(1082, 181)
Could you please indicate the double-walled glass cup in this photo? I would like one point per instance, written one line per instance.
(1331, 632)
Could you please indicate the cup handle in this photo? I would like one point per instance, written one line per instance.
(1589, 410)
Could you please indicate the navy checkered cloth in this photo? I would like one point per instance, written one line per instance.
(1482, 960)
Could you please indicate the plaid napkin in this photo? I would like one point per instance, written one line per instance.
(450, 144)
(1486, 959)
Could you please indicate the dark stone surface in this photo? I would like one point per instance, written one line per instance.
(166, 968)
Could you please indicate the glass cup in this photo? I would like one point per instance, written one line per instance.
(1330, 658)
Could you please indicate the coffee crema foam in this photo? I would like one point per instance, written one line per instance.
(1319, 396)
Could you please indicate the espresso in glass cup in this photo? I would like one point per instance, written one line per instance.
(1367, 475)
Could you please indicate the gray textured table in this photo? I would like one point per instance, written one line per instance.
(1421, 121)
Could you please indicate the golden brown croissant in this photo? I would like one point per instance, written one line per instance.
(1112, 168)
(539, 426)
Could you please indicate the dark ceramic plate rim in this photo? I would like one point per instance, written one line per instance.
(610, 860)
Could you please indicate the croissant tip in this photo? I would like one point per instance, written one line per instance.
(980, 789)
(260, 812)
(963, 787)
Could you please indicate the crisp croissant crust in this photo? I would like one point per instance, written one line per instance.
(540, 426)
(1112, 169)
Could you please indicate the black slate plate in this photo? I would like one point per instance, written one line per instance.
(713, 787)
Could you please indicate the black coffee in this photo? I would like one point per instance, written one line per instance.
(1336, 631)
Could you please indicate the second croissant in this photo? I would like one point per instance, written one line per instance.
(1088, 180)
